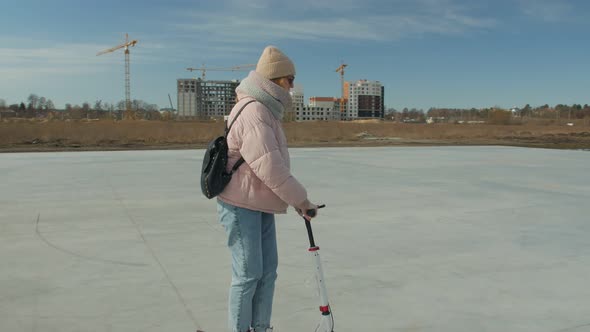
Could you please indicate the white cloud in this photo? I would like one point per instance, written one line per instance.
(63, 54)
(547, 10)
(243, 25)
(25, 62)
(60, 59)
(225, 27)
(277, 6)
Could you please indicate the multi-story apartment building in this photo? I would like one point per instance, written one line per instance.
(331, 106)
(312, 113)
(297, 97)
(327, 102)
(205, 99)
(364, 100)
(319, 108)
(186, 98)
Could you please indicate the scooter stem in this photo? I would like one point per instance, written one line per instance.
(326, 321)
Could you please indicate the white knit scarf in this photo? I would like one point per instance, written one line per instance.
(274, 97)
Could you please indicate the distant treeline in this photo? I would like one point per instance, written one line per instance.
(560, 111)
(41, 107)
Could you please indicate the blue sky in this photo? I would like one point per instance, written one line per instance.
(427, 53)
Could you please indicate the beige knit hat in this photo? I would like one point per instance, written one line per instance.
(274, 64)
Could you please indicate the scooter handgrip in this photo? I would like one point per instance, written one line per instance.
(312, 212)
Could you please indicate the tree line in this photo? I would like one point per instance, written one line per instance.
(42, 107)
(559, 112)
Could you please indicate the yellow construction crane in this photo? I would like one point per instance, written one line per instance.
(204, 69)
(125, 45)
(341, 71)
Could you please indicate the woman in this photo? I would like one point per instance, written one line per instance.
(261, 187)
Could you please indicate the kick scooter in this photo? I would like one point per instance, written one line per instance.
(327, 320)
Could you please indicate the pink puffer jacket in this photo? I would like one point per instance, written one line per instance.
(264, 182)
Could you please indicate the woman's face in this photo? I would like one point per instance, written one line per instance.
(285, 82)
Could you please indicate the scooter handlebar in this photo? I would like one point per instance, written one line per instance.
(312, 212)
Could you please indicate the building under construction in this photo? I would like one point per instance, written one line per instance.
(201, 99)
(364, 100)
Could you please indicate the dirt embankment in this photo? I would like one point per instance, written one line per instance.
(109, 135)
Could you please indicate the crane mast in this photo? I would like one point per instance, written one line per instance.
(126, 46)
(341, 71)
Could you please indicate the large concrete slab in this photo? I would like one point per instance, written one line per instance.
(413, 239)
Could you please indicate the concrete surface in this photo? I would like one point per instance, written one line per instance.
(413, 239)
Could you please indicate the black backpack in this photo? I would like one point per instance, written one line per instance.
(214, 177)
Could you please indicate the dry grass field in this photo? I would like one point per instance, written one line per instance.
(25, 135)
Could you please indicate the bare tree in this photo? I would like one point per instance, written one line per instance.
(121, 105)
(2, 103)
(49, 105)
(136, 104)
(152, 107)
(33, 101)
(98, 105)
(108, 106)
(42, 103)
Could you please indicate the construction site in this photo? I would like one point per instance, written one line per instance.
(199, 98)
(355, 118)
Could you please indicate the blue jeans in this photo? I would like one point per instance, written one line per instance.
(251, 238)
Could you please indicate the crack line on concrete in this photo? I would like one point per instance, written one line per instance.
(573, 328)
(73, 253)
(155, 257)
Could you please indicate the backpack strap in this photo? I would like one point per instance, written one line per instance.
(227, 129)
(237, 165)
